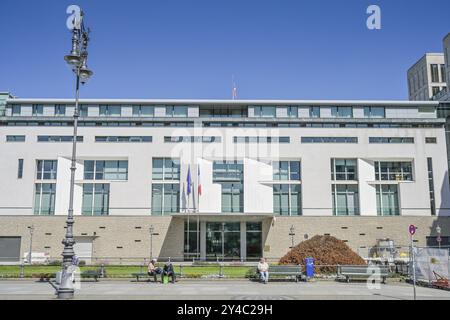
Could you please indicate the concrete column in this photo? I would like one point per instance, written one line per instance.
(202, 240)
(243, 240)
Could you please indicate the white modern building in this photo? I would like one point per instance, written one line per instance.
(270, 172)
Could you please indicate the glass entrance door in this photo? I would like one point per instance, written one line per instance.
(223, 240)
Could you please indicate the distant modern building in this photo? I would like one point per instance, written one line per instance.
(270, 172)
(427, 77)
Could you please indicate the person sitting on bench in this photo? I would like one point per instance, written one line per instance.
(168, 271)
(263, 269)
(152, 269)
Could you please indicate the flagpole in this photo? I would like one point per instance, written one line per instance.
(198, 211)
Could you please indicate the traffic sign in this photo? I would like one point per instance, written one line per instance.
(412, 229)
(439, 239)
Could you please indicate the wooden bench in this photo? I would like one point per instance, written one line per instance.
(363, 272)
(94, 274)
(291, 271)
(144, 275)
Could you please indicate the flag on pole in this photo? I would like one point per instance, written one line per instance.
(189, 182)
(234, 90)
(199, 182)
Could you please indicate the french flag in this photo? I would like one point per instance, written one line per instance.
(199, 182)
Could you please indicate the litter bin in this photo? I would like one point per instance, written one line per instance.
(309, 267)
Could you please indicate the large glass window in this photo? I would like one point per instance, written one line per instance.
(292, 112)
(177, 111)
(106, 170)
(314, 112)
(223, 240)
(286, 170)
(110, 111)
(431, 186)
(443, 75)
(434, 73)
(37, 110)
(95, 199)
(264, 111)
(191, 240)
(228, 171)
(44, 198)
(345, 199)
(143, 111)
(165, 198)
(254, 240)
(60, 110)
(47, 169)
(166, 169)
(391, 140)
(287, 199)
(387, 200)
(232, 197)
(393, 171)
(230, 174)
(344, 169)
(374, 112)
(16, 110)
(342, 112)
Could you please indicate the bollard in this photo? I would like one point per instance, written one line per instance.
(22, 270)
(221, 271)
(181, 271)
(102, 271)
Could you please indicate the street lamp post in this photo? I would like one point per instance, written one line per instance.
(152, 230)
(77, 59)
(31, 228)
(223, 241)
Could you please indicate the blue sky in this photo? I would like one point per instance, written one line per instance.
(190, 49)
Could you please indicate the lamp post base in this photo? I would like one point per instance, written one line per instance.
(66, 293)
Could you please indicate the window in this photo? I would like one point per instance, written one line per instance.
(110, 111)
(191, 139)
(47, 169)
(286, 170)
(84, 111)
(191, 239)
(60, 110)
(44, 199)
(292, 112)
(177, 111)
(431, 186)
(20, 169)
(434, 73)
(254, 240)
(393, 171)
(15, 138)
(230, 174)
(287, 199)
(391, 140)
(443, 75)
(345, 199)
(314, 112)
(261, 139)
(58, 139)
(344, 170)
(223, 112)
(264, 111)
(37, 110)
(374, 112)
(16, 110)
(106, 170)
(430, 140)
(435, 90)
(329, 140)
(95, 199)
(342, 112)
(143, 111)
(165, 198)
(123, 139)
(166, 169)
(387, 200)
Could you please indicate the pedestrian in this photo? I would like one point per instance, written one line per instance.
(153, 270)
(168, 271)
(263, 269)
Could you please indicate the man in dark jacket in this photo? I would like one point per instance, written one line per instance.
(168, 271)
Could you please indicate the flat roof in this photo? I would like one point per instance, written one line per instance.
(405, 103)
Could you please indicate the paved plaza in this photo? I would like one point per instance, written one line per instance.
(223, 290)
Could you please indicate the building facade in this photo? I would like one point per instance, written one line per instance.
(219, 178)
(427, 77)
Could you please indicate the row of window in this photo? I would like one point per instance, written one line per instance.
(176, 111)
(230, 175)
(269, 124)
(209, 139)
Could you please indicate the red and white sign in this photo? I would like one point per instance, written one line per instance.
(412, 229)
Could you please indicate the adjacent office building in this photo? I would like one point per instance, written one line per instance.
(219, 178)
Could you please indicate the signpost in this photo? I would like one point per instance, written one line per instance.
(412, 232)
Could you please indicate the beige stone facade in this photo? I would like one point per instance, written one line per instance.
(127, 239)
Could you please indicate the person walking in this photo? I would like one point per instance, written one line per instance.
(263, 269)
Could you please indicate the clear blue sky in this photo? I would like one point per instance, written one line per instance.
(189, 49)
